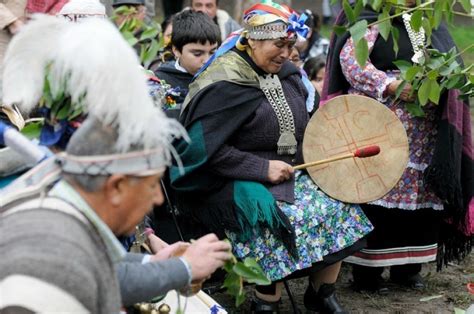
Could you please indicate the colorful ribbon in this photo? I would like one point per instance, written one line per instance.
(296, 25)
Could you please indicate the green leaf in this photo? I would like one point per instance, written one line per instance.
(416, 20)
(384, 27)
(376, 5)
(448, 14)
(240, 298)
(415, 110)
(395, 36)
(427, 27)
(403, 65)
(358, 8)
(435, 63)
(75, 113)
(362, 52)
(438, 13)
(429, 90)
(247, 273)
(468, 69)
(348, 11)
(151, 53)
(32, 130)
(400, 89)
(455, 82)
(466, 5)
(433, 75)
(149, 34)
(412, 72)
(339, 29)
(459, 311)
(63, 112)
(446, 70)
(435, 92)
(358, 31)
(232, 284)
(424, 92)
(132, 41)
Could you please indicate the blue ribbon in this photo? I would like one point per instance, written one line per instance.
(296, 25)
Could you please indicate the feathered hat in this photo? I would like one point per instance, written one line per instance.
(99, 73)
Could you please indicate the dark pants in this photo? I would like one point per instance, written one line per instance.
(398, 272)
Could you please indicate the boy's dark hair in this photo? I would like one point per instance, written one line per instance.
(194, 27)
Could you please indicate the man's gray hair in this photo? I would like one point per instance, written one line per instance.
(91, 139)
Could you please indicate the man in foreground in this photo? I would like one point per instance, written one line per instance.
(59, 221)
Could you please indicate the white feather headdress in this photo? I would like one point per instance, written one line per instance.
(97, 68)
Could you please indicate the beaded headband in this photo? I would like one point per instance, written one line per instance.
(274, 30)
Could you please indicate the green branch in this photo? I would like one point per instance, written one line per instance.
(401, 13)
(453, 12)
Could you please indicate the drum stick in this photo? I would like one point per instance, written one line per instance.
(360, 153)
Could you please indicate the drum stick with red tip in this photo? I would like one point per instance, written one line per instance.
(360, 153)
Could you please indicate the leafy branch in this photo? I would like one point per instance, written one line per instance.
(434, 72)
(140, 35)
(240, 272)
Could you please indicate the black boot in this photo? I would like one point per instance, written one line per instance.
(324, 301)
(369, 279)
(407, 275)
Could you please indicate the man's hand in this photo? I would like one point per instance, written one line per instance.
(405, 94)
(155, 243)
(175, 249)
(205, 255)
(15, 27)
(279, 171)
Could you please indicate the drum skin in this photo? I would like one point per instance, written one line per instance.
(341, 126)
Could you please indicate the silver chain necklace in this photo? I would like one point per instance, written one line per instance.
(271, 87)
(417, 39)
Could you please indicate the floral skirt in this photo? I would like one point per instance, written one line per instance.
(322, 226)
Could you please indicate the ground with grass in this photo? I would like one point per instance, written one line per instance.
(444, 292)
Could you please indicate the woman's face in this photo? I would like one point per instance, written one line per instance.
(319, 80)
(295, 58)
(269, 55)
(167, 34)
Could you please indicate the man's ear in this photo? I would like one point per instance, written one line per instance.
(115, 188)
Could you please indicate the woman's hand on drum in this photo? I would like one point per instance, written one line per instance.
(405, 95)
(279, 171)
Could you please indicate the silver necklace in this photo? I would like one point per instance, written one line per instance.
(417, 39)
(271, 87)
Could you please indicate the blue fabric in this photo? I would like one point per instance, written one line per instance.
(3, 128)
(296, 25)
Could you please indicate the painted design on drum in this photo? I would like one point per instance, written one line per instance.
(343, 125)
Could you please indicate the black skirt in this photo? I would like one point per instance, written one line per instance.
(400, 237)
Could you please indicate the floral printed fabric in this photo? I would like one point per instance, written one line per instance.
(410, 192)
(322, 226)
